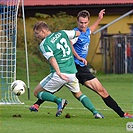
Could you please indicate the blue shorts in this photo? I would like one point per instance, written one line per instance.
(83, 74)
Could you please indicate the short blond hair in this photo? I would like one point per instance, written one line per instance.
(40, 25)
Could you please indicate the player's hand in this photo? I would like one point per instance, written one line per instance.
(83, 60)
(101, 13)
(64, 77)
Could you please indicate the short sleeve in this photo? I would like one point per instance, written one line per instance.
(70, 33)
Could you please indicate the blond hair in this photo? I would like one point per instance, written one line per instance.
(40, 25)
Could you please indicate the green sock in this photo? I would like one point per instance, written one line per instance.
(46, 96)
(87, 103)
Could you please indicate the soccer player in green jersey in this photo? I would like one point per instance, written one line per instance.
(56, 48)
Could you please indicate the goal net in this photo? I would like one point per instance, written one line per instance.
(8, 38)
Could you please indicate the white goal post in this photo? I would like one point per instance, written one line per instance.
(8, 41)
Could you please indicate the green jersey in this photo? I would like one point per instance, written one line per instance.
(58, 45)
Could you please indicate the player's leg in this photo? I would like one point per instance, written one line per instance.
(87, 104)
(86, 78)
(74, 88)
(47, 96)
(36, 105)
(51, 85)
(96, 86)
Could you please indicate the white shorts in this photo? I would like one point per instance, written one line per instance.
(53, 83)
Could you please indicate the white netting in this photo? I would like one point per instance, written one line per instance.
(8, 37)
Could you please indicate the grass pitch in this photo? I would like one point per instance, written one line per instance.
(18, 118)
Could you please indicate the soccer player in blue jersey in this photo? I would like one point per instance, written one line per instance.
(80, 51)
(56, 48)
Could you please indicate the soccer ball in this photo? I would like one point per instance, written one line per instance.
(18, 87)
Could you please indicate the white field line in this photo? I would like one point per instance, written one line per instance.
(71, 108)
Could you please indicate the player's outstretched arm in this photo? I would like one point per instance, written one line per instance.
(100, 17)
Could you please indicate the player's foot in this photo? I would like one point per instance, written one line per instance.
(127, 115)
(34, 108)
(98, 116)
(61, 106)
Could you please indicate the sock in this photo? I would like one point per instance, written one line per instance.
(87, 103)
(46, 96)
(39, 102)
(113, 105)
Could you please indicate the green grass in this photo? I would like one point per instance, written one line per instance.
(82, 121)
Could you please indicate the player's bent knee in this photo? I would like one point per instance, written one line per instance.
(35, 93)
(104, 93)
(77, 94)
